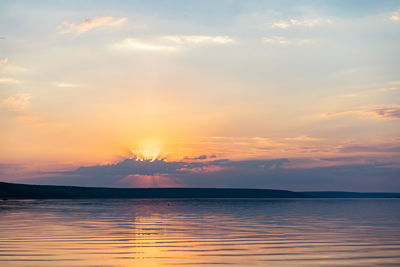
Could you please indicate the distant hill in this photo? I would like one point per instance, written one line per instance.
(24, 191)
(339, 194)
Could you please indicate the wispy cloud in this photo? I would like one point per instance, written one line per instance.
(282, 41)
(395, 16)
(302, 138)
(89, 24)
(64, 84)
(9, 67)
(307, 23)
(134, 44)
(201, 157)
(4, 69)
(373, 148)
(388, 89)
(8, 80)
(3, 61)
(199, 39)
(18, 102)
(389, 112)
(18, 106)
(246, 141)
(280, 24)
(171, 43)
(374, 151)
(249, 147)
(276, 40)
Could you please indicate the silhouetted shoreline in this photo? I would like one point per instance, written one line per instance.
(25, 191)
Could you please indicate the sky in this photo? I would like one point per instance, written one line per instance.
(297, 95)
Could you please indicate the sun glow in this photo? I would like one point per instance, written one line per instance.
(149, 149)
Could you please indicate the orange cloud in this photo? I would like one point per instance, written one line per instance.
(17, 102)
(302, 138)
(388, 112)
(89, 24)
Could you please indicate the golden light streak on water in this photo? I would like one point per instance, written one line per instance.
(207, 232)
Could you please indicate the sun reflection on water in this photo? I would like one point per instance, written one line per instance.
(205, 232)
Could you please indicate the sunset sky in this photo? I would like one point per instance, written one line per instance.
(298, 95)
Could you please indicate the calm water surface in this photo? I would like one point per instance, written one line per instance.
(207, 232)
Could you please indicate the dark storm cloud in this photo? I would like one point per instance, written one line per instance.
(197, 158)
(110, 175)
(236, 174)
(130, 166)
(201, 157)
(134, 167)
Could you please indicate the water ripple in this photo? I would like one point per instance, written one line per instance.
(206, 232)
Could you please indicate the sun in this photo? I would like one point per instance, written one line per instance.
(149, 150)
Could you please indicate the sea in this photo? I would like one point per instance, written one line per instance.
(200, 232)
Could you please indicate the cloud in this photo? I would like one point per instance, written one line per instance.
(89, 24)
(179, 171)
(18, 105)
(280, 40)
(372, 148)
(228, 173)
(395, 16)
(395, 82)
(302, 138)
(199, 39)
(132, 167)
(281, 24)
(64, 84)
(390, 112)
(341, 159)
(134, 44)
(387, 113)
(172, 43)
(35, 121)
(234, 145)
(201, 157)
(307, 23)
(276, 40)
(18, 102)
(8, 80)
(9, 67)
(148, 167)
(388, 89)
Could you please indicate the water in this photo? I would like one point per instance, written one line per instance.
(205, 232)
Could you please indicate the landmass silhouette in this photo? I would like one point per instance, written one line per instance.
(25, 191)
